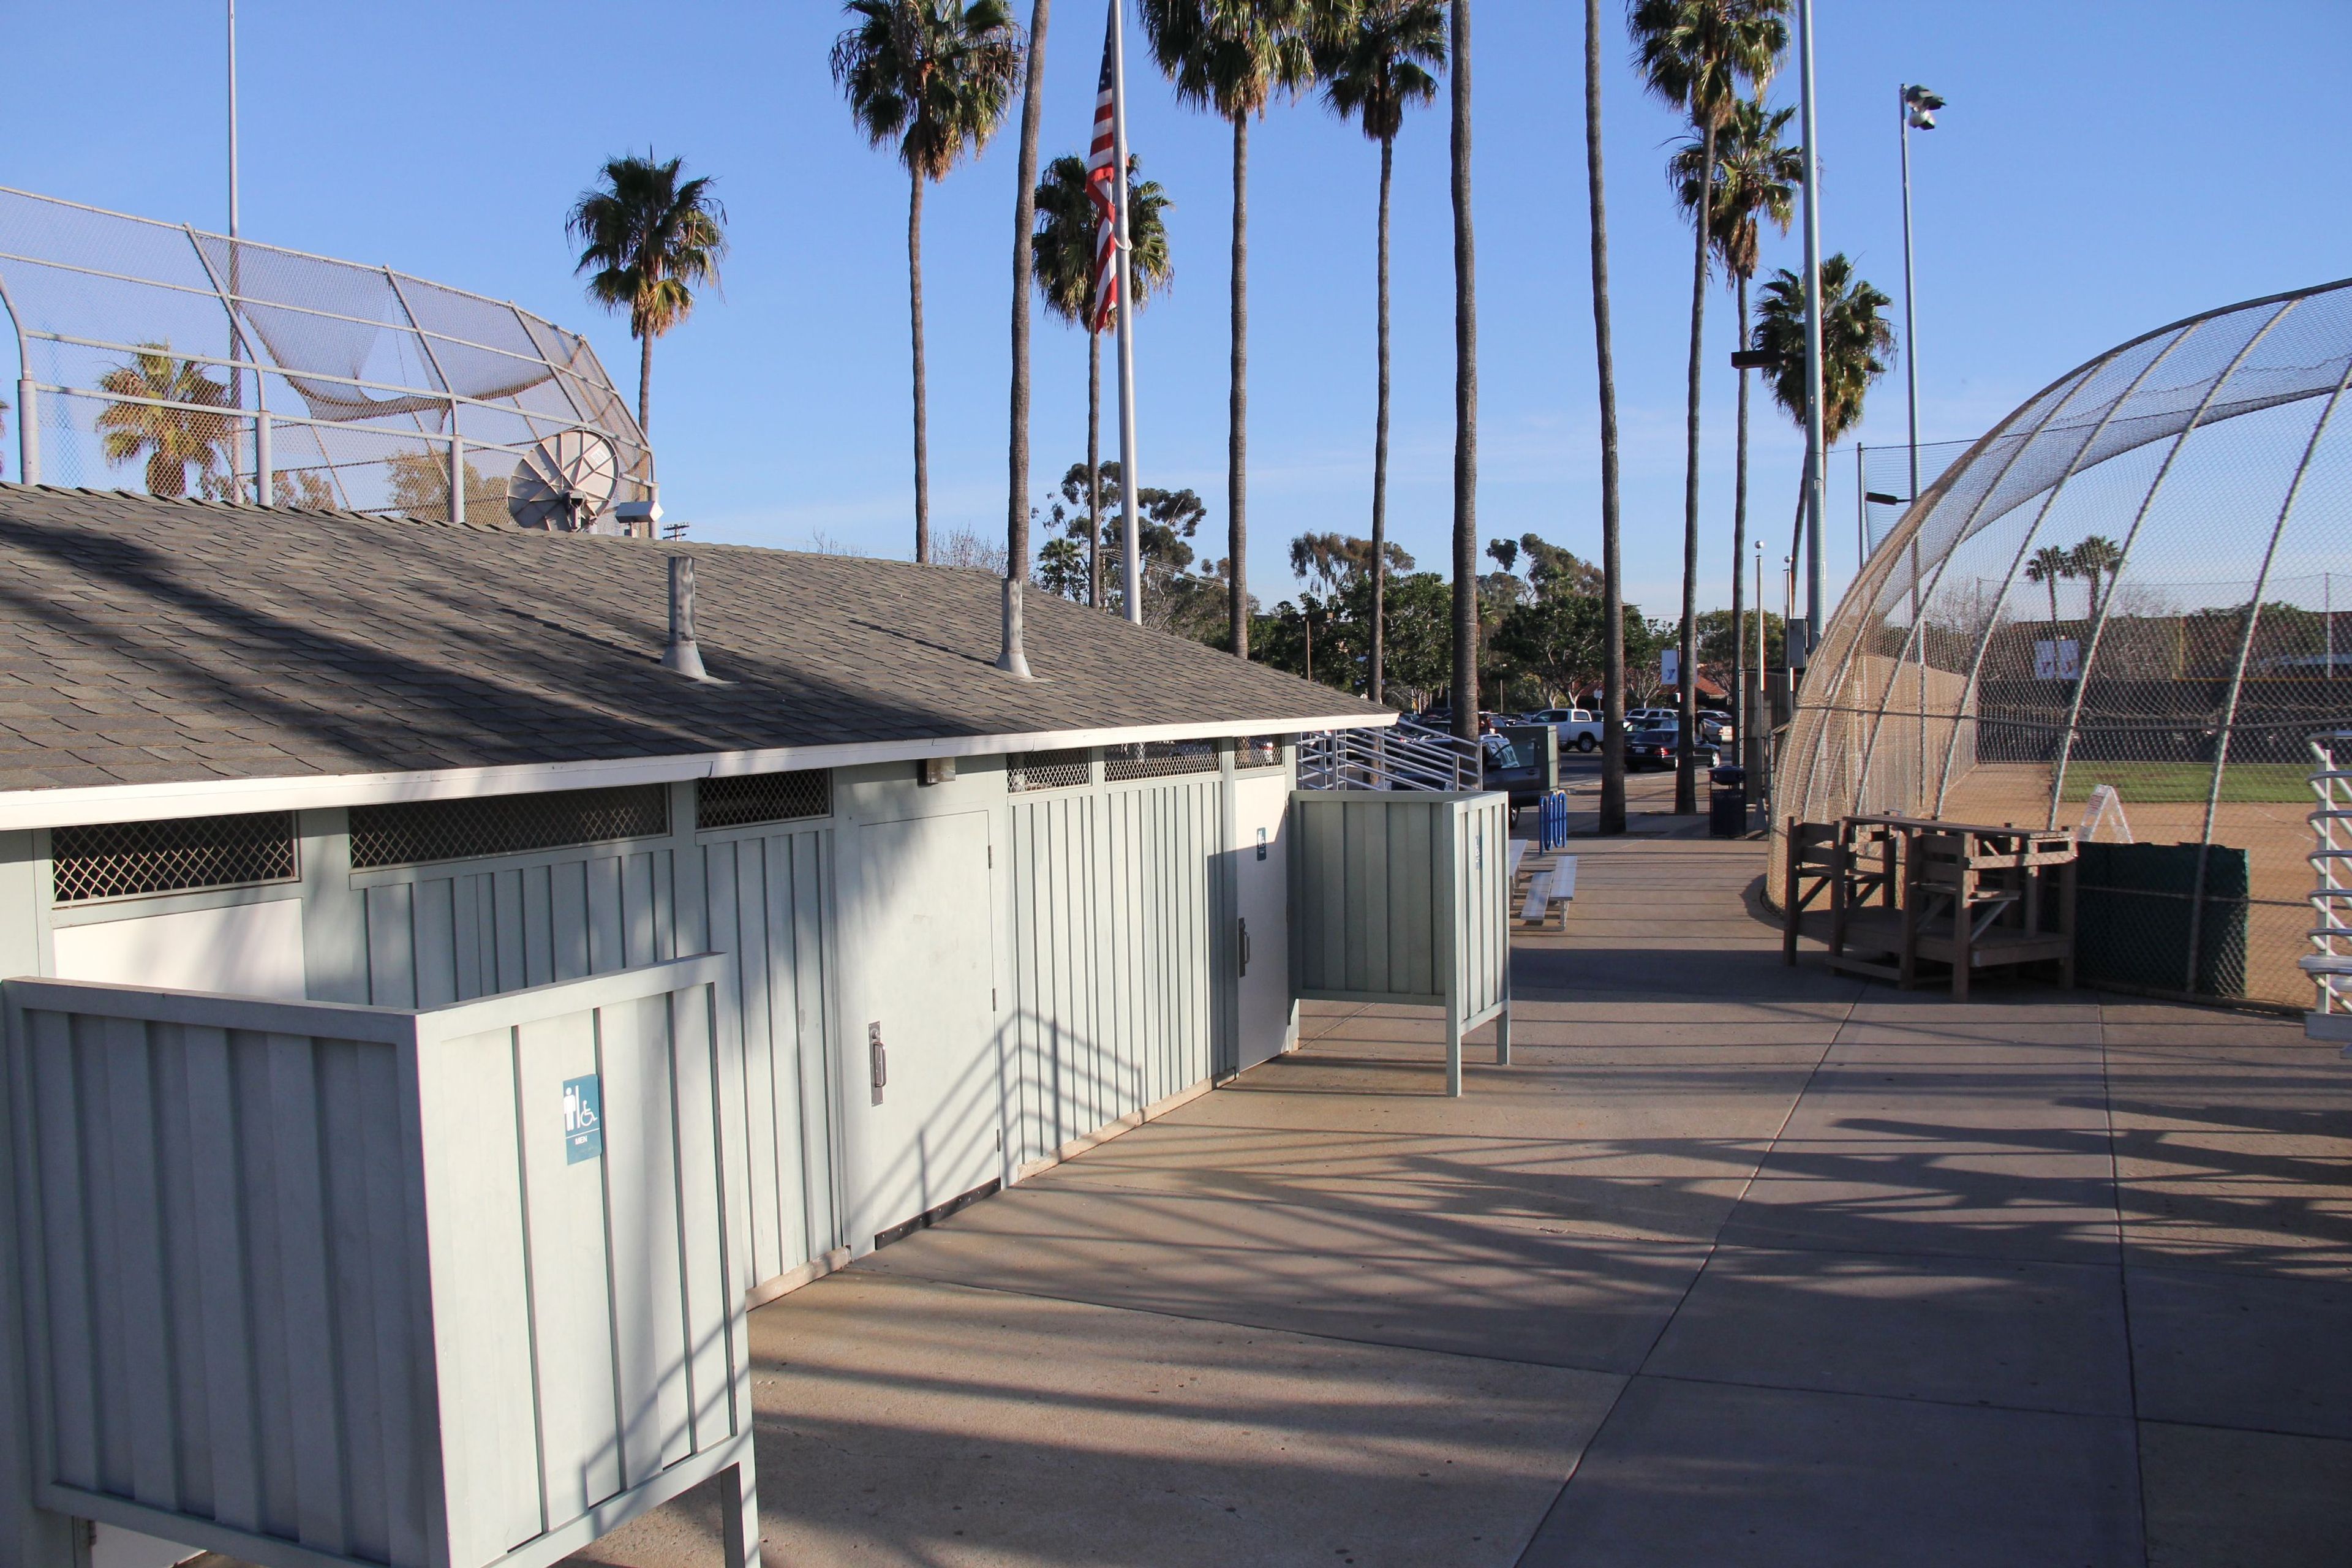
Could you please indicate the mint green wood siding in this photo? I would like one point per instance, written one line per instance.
(1118, 893)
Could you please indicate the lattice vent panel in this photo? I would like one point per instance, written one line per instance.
(1258, 752)
(1048, 770)
(1158, 759)
(414, 833)
(119, 859)
(762, 797)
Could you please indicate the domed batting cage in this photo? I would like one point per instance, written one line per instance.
(2119, 611)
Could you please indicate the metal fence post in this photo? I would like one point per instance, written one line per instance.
(28, 431)
(457, 470)
(263, 468)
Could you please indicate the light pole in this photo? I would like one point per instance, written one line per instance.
(1914, 110)
(1815, 464)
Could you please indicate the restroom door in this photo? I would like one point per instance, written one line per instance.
(1262, 908)
(920, 947)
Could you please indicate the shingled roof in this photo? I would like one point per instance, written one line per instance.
(152, 641)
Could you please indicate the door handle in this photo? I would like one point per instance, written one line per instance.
(878, 1058)
(1246, 947)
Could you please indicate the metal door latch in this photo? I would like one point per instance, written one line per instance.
(1244, 947)
(880, 1056)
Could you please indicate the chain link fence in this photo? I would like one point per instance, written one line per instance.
(2119, 611)
(158, 357)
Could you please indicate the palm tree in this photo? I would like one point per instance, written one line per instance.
(169, 438)
(1857, 343)
(1014, 660)
(1756, 178)
(1373, 64)
(1613, 584)
(1067, 231)
(2094, 559)
(1465, 395)
(1231, 56)
(1857, 346)
(938, 76)
(647, 240)
(2048, 566)
(1695, 55)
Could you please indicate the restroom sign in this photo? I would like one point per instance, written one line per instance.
(584, 1120)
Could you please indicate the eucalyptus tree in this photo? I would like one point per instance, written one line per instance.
(647, 240)
(1612, 583)
(936, 76)
(1232, 58)
(1375, 58)
(1755, 181)
(1066, 255)
(1698, 56)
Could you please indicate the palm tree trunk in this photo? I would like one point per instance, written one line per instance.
(1381, 446)
(1612, 583)
(1094, 467)
(1237, 436)
(2052, 582)
(1686, 748)
(1025, 227)
(646, 384)
(1740, 548)
(922, 419)
(1466, 397)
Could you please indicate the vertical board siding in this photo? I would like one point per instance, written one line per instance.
(352, 1295)
(1401, 895)
(221, 1217)
(445, 933)
(1113, 897)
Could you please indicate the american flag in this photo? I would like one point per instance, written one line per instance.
(1102, 174)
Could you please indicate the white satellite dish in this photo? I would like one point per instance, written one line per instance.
(565, 483)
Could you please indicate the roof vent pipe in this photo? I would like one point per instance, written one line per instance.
(681, 654)
(1013, 660)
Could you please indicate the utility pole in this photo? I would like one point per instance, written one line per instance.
(1914, 109)
(1129, 546)
(1816, 466)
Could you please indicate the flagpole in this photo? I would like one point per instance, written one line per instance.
(1130, 554)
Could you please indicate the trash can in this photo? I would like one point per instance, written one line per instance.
(1726, 803)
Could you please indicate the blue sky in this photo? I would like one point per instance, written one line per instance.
(2103, 169)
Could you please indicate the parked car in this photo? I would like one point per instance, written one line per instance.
(1640, 717)
(1656, 746)
(1512, 771)
(1579, 728)
(1714, 724)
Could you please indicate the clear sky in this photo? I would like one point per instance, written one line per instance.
(2104, 168)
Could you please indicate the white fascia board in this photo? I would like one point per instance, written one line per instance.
(211, 797)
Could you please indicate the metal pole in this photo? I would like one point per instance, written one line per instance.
(232, 118)
(1816, 466)
(28, 431)
(236, 338)
(1910, 288)
(1129, 543)
(1862, 509)
(264, 467)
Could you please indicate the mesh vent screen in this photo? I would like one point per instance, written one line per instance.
(1158, 759)
(412, 833)
(1048, 770)
(116, 859)
(762, 797)
(1258, 752)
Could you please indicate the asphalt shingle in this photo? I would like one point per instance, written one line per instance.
(151, 640)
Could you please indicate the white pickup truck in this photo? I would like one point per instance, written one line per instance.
(1579, 728)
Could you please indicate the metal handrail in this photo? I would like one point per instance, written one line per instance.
(1407, 755)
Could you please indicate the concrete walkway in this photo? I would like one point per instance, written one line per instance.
(1739, 1264)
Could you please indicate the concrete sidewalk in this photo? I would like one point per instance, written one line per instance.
(1738, 1265)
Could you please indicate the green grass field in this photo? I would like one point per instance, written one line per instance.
(2178, 784)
